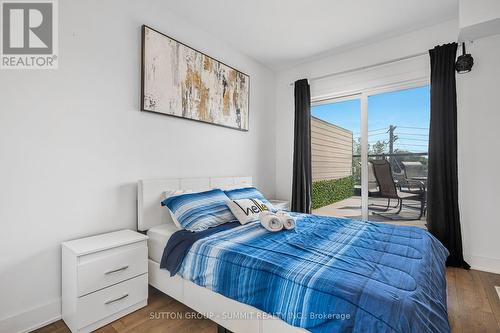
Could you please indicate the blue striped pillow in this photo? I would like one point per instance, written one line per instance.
(200, 211)
(248, 193)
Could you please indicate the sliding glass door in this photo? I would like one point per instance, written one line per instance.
(336, 157)
(398, 137)
(367, 143)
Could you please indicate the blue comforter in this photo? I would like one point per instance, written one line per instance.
(329, 274)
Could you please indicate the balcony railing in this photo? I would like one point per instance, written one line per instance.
(395, 160)
(394, 154)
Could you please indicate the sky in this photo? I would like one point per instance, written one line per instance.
(408, 109)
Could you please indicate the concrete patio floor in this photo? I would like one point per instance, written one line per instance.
(351, 208)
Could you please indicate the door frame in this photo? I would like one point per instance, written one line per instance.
(363, 95)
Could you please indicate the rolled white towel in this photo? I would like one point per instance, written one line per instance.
(286, 219)
(270, 221)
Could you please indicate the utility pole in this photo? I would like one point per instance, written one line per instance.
(392, 139)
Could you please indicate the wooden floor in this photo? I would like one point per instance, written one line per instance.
(473, 306)
(149, 319)
(473, 303)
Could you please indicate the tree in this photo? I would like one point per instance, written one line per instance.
(379, 148)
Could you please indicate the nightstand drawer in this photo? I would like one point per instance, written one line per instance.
(111, 300)
(105, 268)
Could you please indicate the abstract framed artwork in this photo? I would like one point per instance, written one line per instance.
(180, 81)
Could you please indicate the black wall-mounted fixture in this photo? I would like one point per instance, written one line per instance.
(464, 62)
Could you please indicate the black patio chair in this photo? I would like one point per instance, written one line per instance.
(387, 188)
(374, 193)
(414, 170)
(408, 185)
(414, 178)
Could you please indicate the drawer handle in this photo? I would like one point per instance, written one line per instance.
(116, 299)
(117, 270)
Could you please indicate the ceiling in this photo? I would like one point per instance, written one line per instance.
(281, 33)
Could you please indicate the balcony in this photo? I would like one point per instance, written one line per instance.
(350, 205)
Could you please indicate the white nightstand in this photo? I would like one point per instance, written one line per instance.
(280, 204)
(104, 277)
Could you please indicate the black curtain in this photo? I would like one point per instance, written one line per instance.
(302, 170)
(443, 218)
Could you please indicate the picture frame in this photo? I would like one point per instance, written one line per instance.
(178, 80)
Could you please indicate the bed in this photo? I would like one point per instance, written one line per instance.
(383, 277)
(158, 238)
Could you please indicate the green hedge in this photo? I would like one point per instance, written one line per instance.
(326, 192)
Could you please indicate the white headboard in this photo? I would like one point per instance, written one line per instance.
(149, 195)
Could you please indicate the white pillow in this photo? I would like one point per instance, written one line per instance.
(247, 210)
(233, 187)
(173, 193)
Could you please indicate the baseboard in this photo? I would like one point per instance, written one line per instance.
(32, 319)
(486, 264)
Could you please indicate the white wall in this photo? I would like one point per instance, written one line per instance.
(73, 143)
(472, 12)
(478, 18)
(479, 161)
(393, 48)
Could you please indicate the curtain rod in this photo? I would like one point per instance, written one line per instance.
(366, 67)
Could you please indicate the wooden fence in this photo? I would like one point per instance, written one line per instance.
(331, 150)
